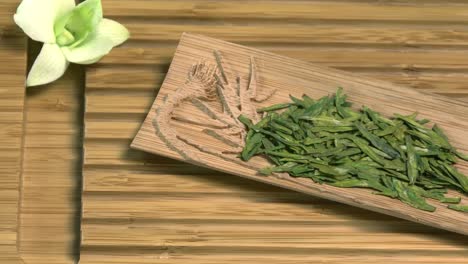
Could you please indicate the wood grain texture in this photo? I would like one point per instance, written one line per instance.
(38, 210)
(169, 209)
(293, 10)
(311, 34)
(9, 32)
(13, 51)
(49, 218)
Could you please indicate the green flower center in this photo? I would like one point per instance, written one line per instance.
(65, 38)
(74, 28)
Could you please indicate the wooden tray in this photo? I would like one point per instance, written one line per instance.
(188, 142)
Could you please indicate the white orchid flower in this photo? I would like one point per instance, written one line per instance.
(77, 34)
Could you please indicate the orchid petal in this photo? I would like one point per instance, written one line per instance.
(90, 11)
(37, 17)
(48, 67)
(107, 35)
(115, 31)
(90, 51)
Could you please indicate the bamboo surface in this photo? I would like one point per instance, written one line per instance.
(423, 47)
(40, 154)
(141, 208)
(39, 210)
(13, 51)
(49, 212)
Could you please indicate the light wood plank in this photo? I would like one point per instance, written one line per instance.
(9, 161)
(178, 256)
(12, 48)
(111, 129)
(37, 177)
(126, 206)
(291, 10)
(300, 235)
(57, 117)
(41, 258)
(346, 57)
(111, 78)
(47, 203)
(10, 136)
(44, 159)
(52, 135)
(117, 152)
(56, 244)
(11, 117)
(12, 72)
(59, 101)
(8, 28)
(133, 102)
(49, 208)
(162, 179)
(8, 255)
(119, 78)
(8, 219)
(303, 33)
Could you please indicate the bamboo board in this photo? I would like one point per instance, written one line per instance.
(286, 77)
(405, 42)
(13, 51)
(40, 133)
(40, 165)
(51, 175)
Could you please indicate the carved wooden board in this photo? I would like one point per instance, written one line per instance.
(186, 139)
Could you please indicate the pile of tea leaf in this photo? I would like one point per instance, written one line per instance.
(328, 142)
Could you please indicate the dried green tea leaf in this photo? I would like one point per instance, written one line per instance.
(378, 142)
(326, 141)
(273, 108)
(459, 207)
(411, 162)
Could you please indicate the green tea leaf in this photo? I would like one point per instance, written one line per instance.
(252, 146)
(273, 108)
(411, 163)
(461, 155)
(379, 143)
(460, 207)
